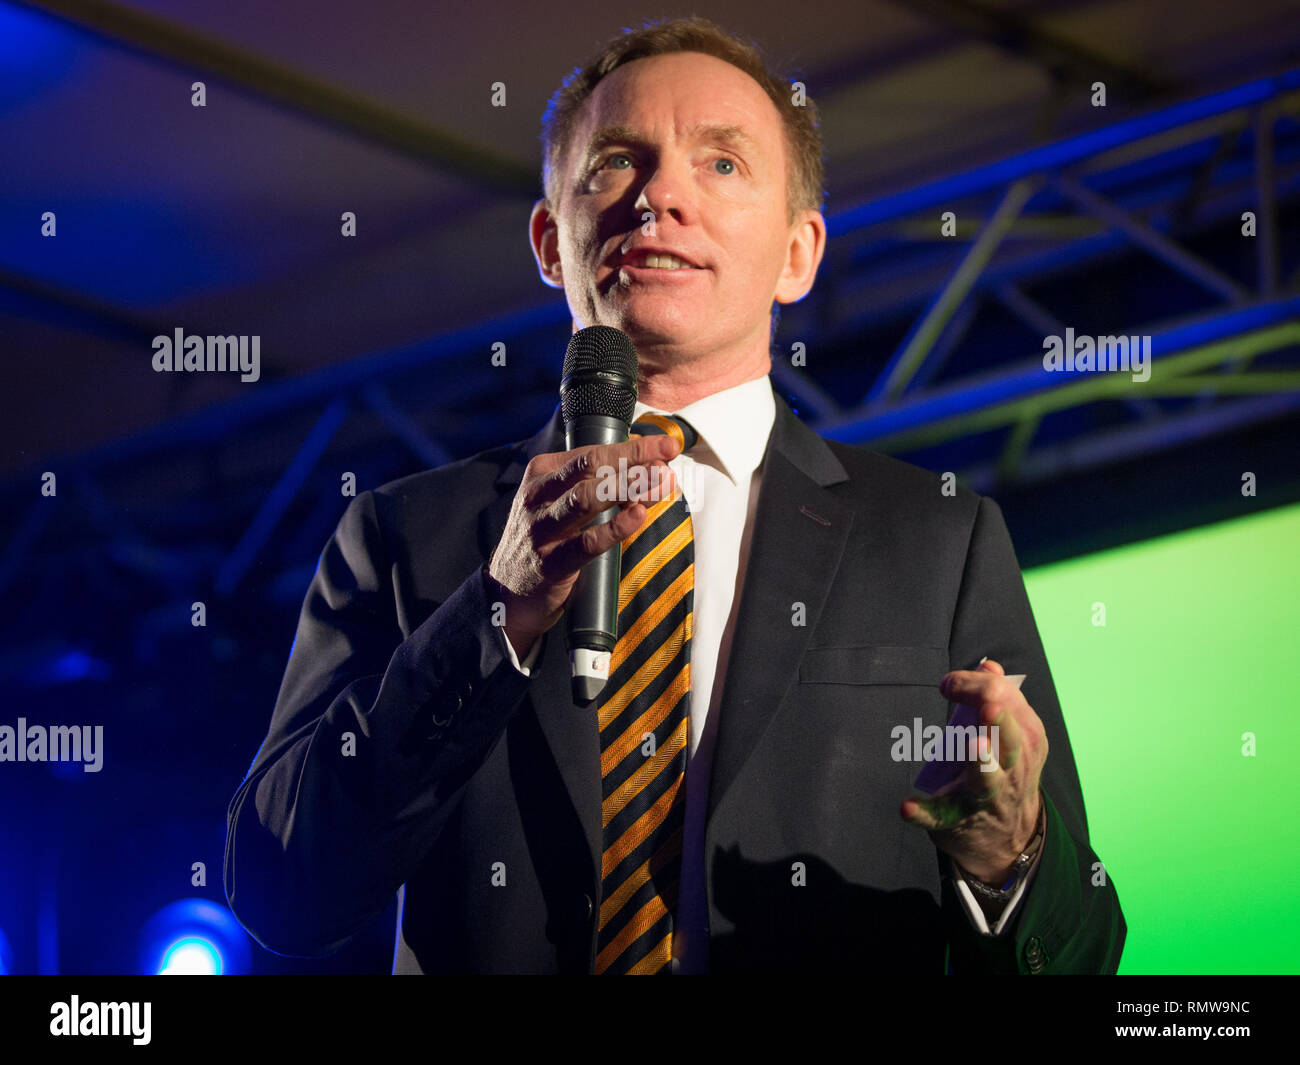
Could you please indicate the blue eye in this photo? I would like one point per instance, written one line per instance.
(729, 162)
(618, 155)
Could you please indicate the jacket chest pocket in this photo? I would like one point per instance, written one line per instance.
(874, 665)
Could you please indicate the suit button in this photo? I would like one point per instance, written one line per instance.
(588, 905)
(1034, 956)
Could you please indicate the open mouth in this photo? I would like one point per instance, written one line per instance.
(650, 260)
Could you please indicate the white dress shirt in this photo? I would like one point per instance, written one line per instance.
(721, 478)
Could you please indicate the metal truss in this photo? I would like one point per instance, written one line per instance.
(1128, 184)
(1067, 205)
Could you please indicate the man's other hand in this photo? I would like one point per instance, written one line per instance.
(983, 819)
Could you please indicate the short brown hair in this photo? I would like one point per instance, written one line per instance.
(805, 181)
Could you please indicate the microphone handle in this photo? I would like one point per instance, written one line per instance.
(593, 605)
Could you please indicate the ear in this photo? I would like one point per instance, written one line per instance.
(803, 255)
(544, 238)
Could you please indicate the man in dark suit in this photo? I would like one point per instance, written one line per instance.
(425, 740)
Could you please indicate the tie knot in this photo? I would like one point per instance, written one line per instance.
(667, 425)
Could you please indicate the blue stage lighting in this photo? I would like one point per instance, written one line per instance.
(191, 956)
(194, 937)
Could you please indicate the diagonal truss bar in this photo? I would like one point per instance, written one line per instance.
(281, 495)
(29, 531)
(948, 341)
(870, 297)
(1029, 311)
(66, 307)
(905, 362)
(1017, 445)
(425, 448)
(1159, 245)
(803, 386)
(1040, 320)
(1266, 195)
(161, 38)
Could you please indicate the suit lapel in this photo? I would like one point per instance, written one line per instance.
(800, 529)
(492, 522)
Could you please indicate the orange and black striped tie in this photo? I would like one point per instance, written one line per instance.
(644, 716)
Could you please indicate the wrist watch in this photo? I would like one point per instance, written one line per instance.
(1018, 867)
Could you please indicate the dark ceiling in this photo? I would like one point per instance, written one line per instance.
(226, 218)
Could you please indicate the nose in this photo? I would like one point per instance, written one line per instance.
(668, 191)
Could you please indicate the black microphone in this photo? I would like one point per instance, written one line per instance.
(598, 398)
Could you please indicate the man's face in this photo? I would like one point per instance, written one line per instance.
(695, 142)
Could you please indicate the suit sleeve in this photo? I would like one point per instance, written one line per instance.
(372, 741)
(1069, 919)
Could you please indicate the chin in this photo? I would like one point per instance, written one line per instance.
(657, 340)
(656, 325)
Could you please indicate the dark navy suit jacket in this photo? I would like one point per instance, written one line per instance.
(406, 754)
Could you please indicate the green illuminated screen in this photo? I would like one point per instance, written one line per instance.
(1198, 645)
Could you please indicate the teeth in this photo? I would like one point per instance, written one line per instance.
(665, 262)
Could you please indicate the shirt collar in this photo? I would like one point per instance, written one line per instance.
(734, 426)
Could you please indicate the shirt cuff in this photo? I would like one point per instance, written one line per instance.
(526, 666)
(973, 908)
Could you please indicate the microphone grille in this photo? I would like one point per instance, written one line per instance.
(599, 374)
